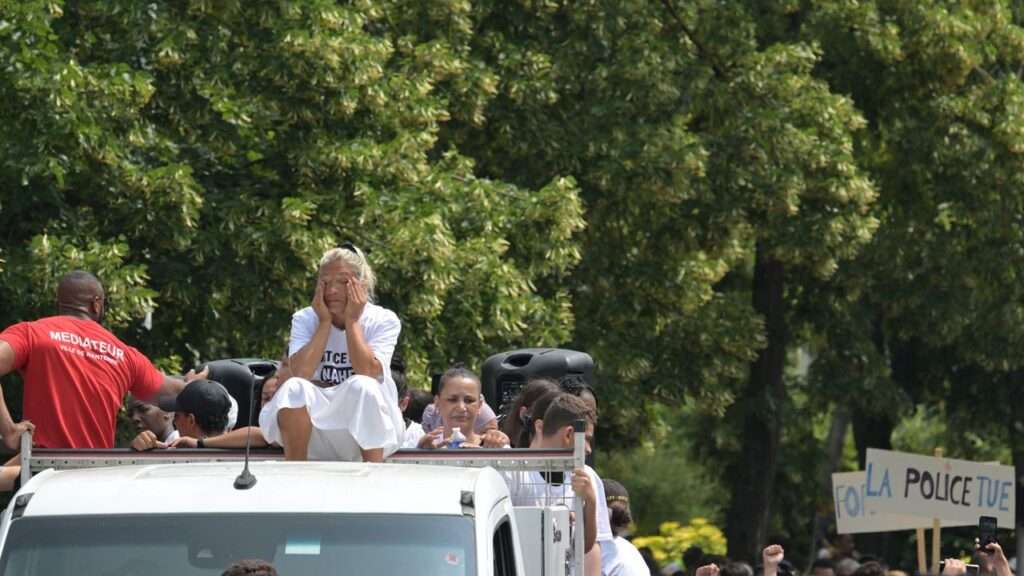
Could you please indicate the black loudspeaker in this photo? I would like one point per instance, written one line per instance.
(504, 375)
(243, 377)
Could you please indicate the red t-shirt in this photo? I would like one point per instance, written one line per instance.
(76, 374)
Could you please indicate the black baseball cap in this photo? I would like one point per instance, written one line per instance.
(200, 397)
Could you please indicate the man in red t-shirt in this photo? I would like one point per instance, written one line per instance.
(76, 373)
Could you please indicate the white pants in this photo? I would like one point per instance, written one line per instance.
(347, 418)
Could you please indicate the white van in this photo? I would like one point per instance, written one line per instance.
(134, 515)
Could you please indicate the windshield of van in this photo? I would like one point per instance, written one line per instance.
(208, 544)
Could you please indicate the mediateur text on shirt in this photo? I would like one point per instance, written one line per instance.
(99, 346)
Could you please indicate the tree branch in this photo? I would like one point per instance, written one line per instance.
(701, 49)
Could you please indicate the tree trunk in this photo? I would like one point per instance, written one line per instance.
(871, 431)
(753, 479)
(834, 449)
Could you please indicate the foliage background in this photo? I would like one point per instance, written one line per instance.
(786, 230)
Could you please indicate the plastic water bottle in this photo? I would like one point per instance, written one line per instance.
(457, 438)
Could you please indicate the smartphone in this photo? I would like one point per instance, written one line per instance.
(972, 569)
(986, 530)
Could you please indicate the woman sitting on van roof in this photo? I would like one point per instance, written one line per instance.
(458, 402)
(342, 403)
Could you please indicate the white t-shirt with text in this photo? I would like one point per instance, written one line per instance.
(381, 328)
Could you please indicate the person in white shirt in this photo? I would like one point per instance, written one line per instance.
(413, 429)
(342, 403)
(620, 518)
(458, 403)
(554, 430)
(413, 433)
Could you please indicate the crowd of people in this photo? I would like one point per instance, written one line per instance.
(338, 394)
(839, 560)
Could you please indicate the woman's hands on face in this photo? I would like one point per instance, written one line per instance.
(357, 299)
(323, 313)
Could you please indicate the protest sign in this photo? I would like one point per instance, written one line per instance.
(852, 517)
(951, 490)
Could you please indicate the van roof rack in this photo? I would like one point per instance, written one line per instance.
(511, 459)
(35, 460)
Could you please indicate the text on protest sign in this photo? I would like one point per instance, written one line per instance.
(944, 488)
(849, 492)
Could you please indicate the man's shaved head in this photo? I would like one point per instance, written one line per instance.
(81, 292)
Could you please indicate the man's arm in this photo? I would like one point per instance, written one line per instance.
(771, 557)
(592, 561)
(233, 439)
(9, 477)
(171, 386)
(10, 431)
(590, 526)
(583, 486)
(6, 358)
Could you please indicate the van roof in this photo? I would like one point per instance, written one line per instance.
(281, 487)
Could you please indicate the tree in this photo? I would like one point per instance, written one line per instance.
(700, 151)
(929, 312)
(201, 155)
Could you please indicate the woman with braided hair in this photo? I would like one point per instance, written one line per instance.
(620, 517)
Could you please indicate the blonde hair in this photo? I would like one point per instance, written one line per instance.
(354, 259)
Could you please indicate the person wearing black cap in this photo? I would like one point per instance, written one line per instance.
(200, 411)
